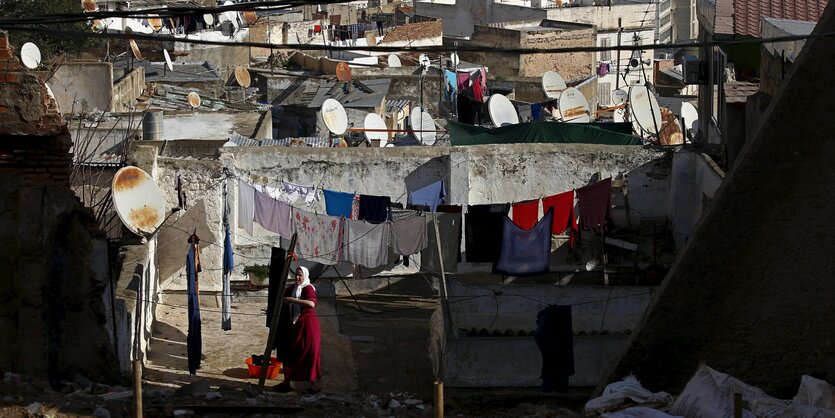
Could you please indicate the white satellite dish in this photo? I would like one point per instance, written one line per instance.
(394, 61)
(168, 60)
(334, 116)
(30, 55)
(619, 96)
(552, 84)
(574, 108)
(138, 200)
(421, 120)
(374, 121)
(231, 15)
(644, 109)
(501, 111)
(691, 117)
(424, 60)
(454, 60)
(619, 115)
(209, 19)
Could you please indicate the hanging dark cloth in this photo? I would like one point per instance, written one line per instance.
(594, 202)
(555, 338)
(282, 343)
(374, 209)
(525, 252)
(465, 109)
(449, 227)
(194, 338)
(484, 230)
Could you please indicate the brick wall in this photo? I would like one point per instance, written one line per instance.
(34, 140)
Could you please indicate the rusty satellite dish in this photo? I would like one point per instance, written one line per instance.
(138, 201)
(671, 132)
(89, 5)
(552, 84)
(250, 17)
(242, 76)
(135, 49)
(194, 100)
(343, 71)
(155, 22)
(574, 108)
(370, 39)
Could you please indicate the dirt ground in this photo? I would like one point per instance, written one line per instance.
(374, 363)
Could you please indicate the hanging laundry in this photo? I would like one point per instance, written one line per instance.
(355, 207)
(603, 69)
(274, 215)
(555, 339)
(478, 93)
(451, 84)
(366, 243)
(563, 209)
(484, 231)
(319, 237)
(536, 110)
(246, 206)
(463, 81)
(594, 202)
(483, 80)
(465, 108)
(228, 265)
(338, 203)
(525, 252)
(291, 192)
(408, 236)
(374, 209)
(194, 338)
(431, 196)
(449, 227)
(526, 213)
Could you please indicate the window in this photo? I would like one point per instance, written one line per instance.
(604, 93)
(605, 55)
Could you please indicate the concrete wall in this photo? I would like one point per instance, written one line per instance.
(605, 17)
(223, 58)
(127, 90)
(751, 293)
(693, 184)
(88, 82)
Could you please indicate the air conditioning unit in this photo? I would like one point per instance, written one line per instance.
(691, 69)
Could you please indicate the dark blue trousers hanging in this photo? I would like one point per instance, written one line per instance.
(194, 339)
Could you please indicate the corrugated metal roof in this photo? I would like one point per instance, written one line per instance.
(743, 17)
(306, 141)
(362, 94)
(395, 105)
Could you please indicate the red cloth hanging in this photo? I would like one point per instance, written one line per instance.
(525, 214)
(564, 219)
(594, 202)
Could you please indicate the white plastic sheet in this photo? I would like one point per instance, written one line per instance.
(618, 392)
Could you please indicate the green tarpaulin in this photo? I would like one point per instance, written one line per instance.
(543, 132)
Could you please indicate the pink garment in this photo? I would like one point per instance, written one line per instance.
(463, 81)
(525, 214)
(320, 237)
(483, 80)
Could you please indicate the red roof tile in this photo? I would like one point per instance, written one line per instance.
(747, 14)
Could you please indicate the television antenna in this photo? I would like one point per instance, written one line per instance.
(501, 111)
(334, 116)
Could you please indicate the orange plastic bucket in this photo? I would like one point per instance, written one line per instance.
(272, 369)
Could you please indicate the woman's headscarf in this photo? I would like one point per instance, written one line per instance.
(296, 309)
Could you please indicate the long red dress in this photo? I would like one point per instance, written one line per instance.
(303, 364)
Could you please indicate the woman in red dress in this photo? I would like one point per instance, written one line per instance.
(302, 364)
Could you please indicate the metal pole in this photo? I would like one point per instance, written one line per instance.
(617, 78)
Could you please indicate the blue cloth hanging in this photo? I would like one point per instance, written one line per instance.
(525, 252)
(226, 296)
(338, 203)
(194, 339)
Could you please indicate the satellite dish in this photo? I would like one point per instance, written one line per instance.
(370, 39)
(230, 15)
(421, 120)
(242, 76)
(619, 115)
(644, 109)
(89, 5)
(343, 71)
(374, 121)
(334, 116)
(138, 200)
(250, 17)
(135, 49)
(98, 26)
(671, 131)
(574, 108)
(155, 22)
(454, 59)
(424, 60)
(691, 117)
(552, 84)
(168, 60)
(619, 96)
(194, 100)
(30, 55)
(209, 19)
(501, 111)
(394, 61)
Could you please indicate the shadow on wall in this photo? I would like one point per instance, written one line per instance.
(428, 173)
(174, 236)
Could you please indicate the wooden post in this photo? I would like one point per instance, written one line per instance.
(444, 290)
(439, 399)
(276, 312)
(737, 405)
(137, 388)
